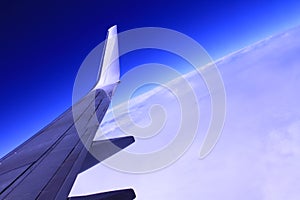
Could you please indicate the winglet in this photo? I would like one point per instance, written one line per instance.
(109, 69)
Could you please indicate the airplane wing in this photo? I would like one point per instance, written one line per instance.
(47, 164)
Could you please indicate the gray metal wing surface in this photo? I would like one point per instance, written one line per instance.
(46, 165)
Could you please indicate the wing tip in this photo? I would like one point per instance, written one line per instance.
(113, 28)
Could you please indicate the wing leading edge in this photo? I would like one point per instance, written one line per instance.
(47, 164)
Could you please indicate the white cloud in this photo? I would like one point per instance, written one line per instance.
(258, 155)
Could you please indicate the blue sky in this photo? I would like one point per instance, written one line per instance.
(44, 42)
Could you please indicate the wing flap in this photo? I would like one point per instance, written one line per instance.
(127, 194)
(104, 149)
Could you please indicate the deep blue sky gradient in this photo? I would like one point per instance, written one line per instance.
(44, 42)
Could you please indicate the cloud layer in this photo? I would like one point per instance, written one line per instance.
(258, 154)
